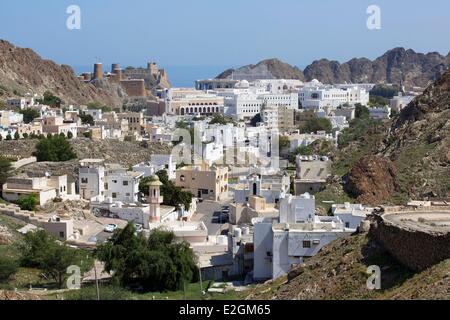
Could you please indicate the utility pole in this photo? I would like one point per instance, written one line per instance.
(96, 282)
(201, 282)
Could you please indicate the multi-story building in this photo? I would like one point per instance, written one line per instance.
(317, 96)
(33, 128)
(299, 234)
(56, 125)
(122, 185)
(181, 101)
(45, 188)
(204, 182)
(10, 118)
(270, 188)
(100, 181)
(135, 121)
(91, 178)
(21, 103)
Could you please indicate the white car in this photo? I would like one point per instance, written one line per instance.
(110, 228)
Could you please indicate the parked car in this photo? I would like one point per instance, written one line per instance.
(110, 228)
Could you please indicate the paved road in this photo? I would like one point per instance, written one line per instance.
(209, 212)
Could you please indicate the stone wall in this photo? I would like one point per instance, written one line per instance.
(416, 249)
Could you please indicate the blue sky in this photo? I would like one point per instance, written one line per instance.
(222, 33)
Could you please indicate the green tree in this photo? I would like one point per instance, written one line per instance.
(69, 135)
(315, 124)
(29, 115)
(361, 111)
(87, 119)
(50, 100)
(220, 119)
(8, 137)
(40, 250)
(25, 135)
(8, 267)
(284, 142)
(173, 195)
(54, 148)
(16, 136)
(5, 170)
(159, 263)
(28, 202)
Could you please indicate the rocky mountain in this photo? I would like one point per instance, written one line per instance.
(396, 66)
(23, 71)
(266, 69)
(407, 157)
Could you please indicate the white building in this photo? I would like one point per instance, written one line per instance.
(380, 112)
(400, 101)
(21, 103)
(92, 178)
(351, 214)
(157, 163)
(300, 234)
(271, 188)
(317, 96)
(10, 118)
(122, 185)
(45, 188)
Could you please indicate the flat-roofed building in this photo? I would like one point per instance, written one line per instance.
(203, 181)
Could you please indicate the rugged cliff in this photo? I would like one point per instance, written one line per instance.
(23, 71)
(396, 66)
(266, 69)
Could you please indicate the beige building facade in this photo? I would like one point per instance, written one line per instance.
(204, 182)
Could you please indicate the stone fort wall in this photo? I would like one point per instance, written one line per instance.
(416, 249)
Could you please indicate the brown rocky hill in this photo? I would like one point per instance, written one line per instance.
(419, 143)
(406, 157)
(23, 71)
(266, 69)
(396, 66)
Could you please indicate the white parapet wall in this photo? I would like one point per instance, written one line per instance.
(60, 228)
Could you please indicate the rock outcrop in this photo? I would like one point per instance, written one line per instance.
(266, 69)
(23, 71)
(372, 180)
(396, 66)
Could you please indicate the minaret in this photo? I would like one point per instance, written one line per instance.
(155, 199)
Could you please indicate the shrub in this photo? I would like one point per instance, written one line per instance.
(8, 267)
(28, 203)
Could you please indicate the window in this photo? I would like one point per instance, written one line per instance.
(84, 180)
(106, 186)
(114, 181)
(61, 234)
(347, 224)
(307, 244)
(114, 195)
(182, 178)
(125, 183)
